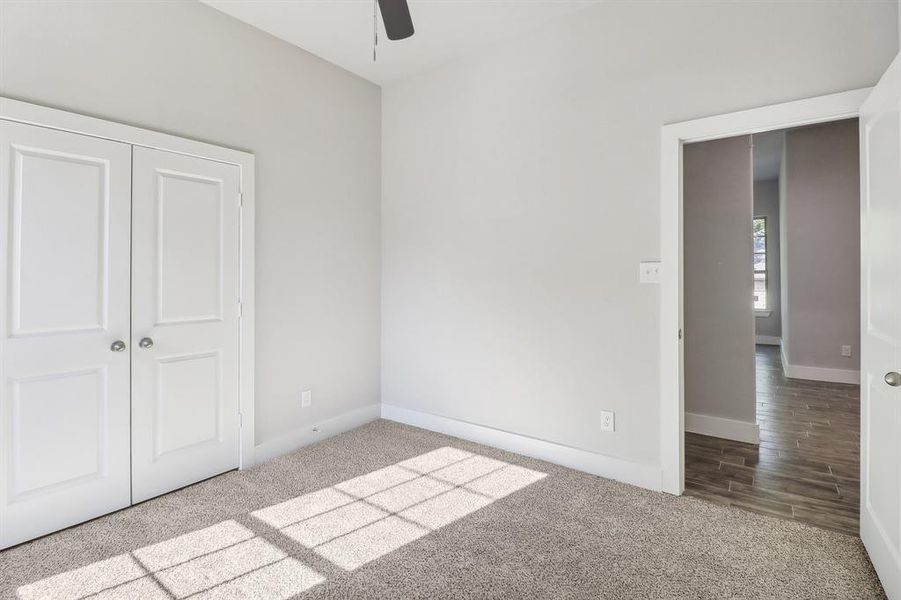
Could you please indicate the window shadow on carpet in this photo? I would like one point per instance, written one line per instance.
(349, 524)
(226, 560)
(359, 520)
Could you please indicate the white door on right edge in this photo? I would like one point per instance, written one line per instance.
(184, 320)
(880, 510)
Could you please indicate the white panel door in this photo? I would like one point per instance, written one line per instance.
(65, 201)
(880, 511)
(185, 303)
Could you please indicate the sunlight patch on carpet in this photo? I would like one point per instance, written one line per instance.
(359, 520)
(349, 524)
(225, 560)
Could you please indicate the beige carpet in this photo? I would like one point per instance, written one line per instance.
(389, 511)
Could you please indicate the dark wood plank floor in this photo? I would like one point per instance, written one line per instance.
(807, 466)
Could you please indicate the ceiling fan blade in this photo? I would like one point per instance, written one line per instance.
(396, 17)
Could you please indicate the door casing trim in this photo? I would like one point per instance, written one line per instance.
(821, 109)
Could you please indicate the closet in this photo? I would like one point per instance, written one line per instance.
(119, 337)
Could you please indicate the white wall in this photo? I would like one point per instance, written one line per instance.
(822, 226)
(718, 201)
(189, 70)
(521, 189)
(766, 204)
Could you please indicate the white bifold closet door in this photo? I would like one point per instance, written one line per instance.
(64, 301)
(119, 276)
(185, 281)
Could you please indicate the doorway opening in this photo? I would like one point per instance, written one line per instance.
(771, 262)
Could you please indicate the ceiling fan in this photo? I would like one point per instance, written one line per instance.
(396, 17)
(397, 20)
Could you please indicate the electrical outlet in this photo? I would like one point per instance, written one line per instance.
(306, 398)
(649, 272)
(846, 350)
(608, 420)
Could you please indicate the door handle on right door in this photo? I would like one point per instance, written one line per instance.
(893, 378)
(146, 343)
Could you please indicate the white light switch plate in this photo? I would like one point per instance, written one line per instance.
(649, 272)
(306, 398)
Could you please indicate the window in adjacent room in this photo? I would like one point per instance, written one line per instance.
(760, 274)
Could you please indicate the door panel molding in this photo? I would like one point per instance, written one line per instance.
(19, 469)
(158, 399)
(875, 220)
(96, 317)
(164, 316)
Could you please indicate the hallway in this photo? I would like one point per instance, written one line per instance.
(807, 466)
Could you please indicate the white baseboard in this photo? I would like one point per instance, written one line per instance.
(818, 373)
(646, 476)
(783, 356)
(728, 429)
(769, 340)
(297, 439)
(821, 373)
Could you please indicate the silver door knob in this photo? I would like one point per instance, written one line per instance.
(118, 346)
(146, 343)
(893, 378)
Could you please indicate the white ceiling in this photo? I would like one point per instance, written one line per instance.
(340, 31)
(768, 154)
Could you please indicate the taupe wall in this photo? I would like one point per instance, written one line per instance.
(784, 283)
(718, 279)
(821, 226)
(189, 70)
(766, 204)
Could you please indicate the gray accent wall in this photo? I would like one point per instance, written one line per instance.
(821, 250)
(766, 204)
(189, 70)
(784, 283)
(718, 279)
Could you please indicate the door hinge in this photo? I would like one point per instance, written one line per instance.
(240, 309)
(680, 334)
(240, 420)
(240, 199)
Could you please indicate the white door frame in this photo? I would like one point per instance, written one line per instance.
(821, 109)
(24, 112)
